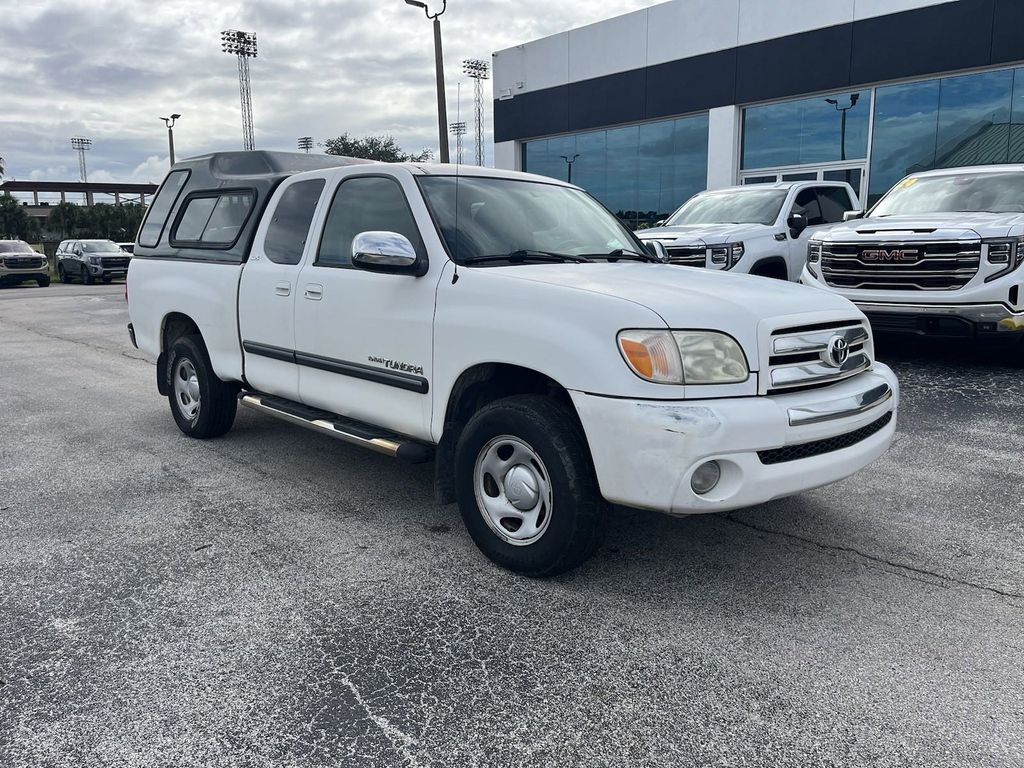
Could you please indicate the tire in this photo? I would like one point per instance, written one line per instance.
(203, 406)
(106, 280)
(542, 442)
(87, 278)
(62, 276)
(43, 282)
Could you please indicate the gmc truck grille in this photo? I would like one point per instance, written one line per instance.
(115, 262)
(816, 355)
(687, 255)
(913, 266)
(24, 262)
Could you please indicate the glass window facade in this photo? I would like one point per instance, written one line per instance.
(975, 119)
(807, 131)
(642, 173)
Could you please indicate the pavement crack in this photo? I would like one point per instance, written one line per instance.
(400, 740)
(910, 569)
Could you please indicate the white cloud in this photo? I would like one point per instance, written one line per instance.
(325, 67)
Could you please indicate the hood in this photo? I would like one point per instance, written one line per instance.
(966, 225)
(690, 298)
(709, 234)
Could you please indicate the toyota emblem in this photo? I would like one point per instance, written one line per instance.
(838, 351)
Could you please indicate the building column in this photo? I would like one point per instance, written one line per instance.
(35, 198)
(117, 198)
(723, 147)
(62, 196)
(508, 155)
(88, 199)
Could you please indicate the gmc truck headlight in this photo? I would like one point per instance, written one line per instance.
(1008, 251)
(814, 251)
(94, 260)
(684, 357)
(727, 254)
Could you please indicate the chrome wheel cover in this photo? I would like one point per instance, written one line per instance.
(186, 389)
(513, 490)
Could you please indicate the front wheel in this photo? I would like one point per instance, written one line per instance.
(42, 282)
(62, 276)
(526, 486)
(87, 277)
(106, 280)
(203, 406)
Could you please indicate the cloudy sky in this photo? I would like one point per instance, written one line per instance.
(107, 69)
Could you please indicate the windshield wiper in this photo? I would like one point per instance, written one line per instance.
(624, 253)
(523, 256)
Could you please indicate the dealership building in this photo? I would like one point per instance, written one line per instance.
(646, 109)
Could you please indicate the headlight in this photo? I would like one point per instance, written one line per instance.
(94, 259)
(726, 254)
(684, 357)
(1008, 251)
(814, 251)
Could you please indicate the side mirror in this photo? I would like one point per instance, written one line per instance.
(797, 223)
(77, 251)
(387, 252)
(853, 215)
(657, 248)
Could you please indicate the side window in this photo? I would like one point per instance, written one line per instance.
(161, 206)
(213, 220)
(289, 228)
(361, 204)
(834, 202)
(807, 203)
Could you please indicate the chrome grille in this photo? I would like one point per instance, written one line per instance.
(798, 357)
(687, 255)
(901, 266)
(24, 262)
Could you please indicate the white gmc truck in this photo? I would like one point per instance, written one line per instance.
(938, 255)
(757, 229)
(506, 326)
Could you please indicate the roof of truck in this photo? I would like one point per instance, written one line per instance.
(265, 163)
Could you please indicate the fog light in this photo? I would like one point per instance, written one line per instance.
(705, 477)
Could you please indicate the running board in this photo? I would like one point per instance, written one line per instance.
(339, 427)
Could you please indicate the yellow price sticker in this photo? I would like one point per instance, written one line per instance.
(908, 182)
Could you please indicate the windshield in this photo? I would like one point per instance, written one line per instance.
(102, 247)
(738, 206)
(491, 217)
(973, 192)
(15, 246)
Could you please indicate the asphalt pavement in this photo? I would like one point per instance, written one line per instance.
(276, 598)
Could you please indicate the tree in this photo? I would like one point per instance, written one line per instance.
(382, 148)
(3, 167)
(64, 218)
(14, 221)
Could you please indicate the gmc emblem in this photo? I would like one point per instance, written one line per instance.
(894, 255)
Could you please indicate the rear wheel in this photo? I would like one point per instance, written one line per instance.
(526, 486)
(203, 406)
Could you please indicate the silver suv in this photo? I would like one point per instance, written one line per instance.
(91, 260)
(19, 264)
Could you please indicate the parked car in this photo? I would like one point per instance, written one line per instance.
(506, 326)
(19, 263)
(938, 255)
(760, 229)
(91, 260)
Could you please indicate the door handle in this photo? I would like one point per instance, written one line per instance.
(283, 289)
(314, 292)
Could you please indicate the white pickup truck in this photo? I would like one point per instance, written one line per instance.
(506, 326)
(758, 229)
(938, 255)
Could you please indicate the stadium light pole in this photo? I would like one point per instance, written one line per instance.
(243, 45)
(81, 146)
(169, 122)
(306, 143)
(442, 110)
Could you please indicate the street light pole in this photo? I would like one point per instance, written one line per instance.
(169, 122)
(854, 98)
(442, 109)
(569, 162)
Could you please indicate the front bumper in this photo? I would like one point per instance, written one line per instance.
(646, 451)
(14, 274)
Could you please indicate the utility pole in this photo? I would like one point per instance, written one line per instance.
(243, 45)
(306, 143)
(169, 122)
(442, 109)
(81, 146)
(479, 70)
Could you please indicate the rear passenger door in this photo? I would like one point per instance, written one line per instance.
(266, 296)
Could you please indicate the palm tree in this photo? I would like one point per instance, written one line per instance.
(2, 168)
